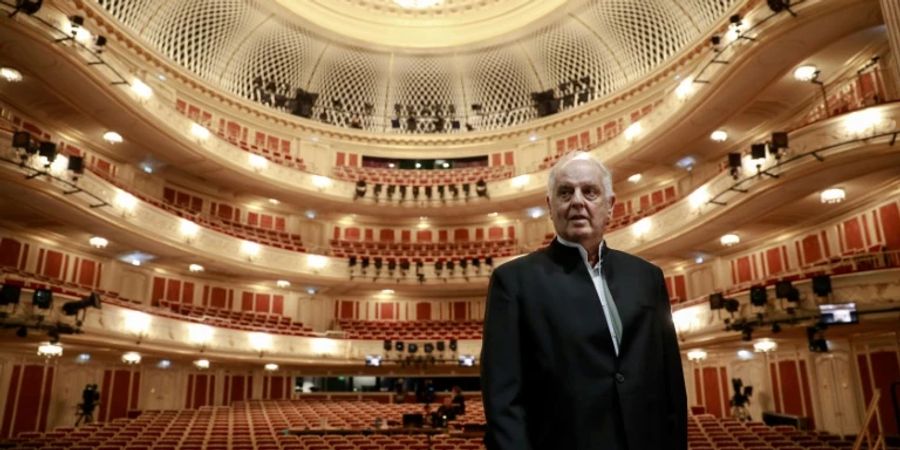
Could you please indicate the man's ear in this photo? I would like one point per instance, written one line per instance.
(548, 202)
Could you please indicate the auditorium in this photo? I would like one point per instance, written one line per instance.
(281, 224)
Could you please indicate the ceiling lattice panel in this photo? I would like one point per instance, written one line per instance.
(606, 44)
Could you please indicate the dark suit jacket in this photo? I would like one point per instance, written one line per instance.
(549, 372)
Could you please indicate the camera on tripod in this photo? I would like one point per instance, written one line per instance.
(90, 398)
(740, 400)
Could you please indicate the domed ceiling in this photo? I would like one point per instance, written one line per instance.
(421, 65)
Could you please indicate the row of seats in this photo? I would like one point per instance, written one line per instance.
(422, 177)
(425, 251)
(253, 425)
(706, 432)
(411, 330)
(239, 320)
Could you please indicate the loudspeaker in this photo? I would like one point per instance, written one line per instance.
(21, 139)
(398, 346)
(821, 285)
(758, 151)
(783, 289)
(758, 295)
(779, 139)
(9, 294)
(440, 346)
(76, 164)
(42, 298)
(734, 160)
(716, 301)
(412, 347)
(388, 345)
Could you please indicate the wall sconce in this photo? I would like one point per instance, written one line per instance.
(696, 355)
(137, 323)
(260, 342)
(125, 202)
(250, 250)
(320, 182)
(200, 334)
(316, 262)
(188, 230)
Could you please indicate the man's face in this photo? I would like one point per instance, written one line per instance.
(578, 205)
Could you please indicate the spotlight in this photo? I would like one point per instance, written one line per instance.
(76, 165)
(816, 339)
(776, 328)
(758, 295)
(9, 294)
(778, 6)
(428, 347)
(453, 346)
(398, 346)
(22, 332)
(784, 289)
(821, 285)
(22, 140)
(758, 151)
(27, 6)
(440, 346)
(481, 188)
(747, 333)
(360, 189)
(734, 163)
(412, 347)
(53, 334)
(779, 140)
(428, 192)
(72, 308)
(99, 43)
(716, 301)
(388, 345)
(731, 305)
(42, 298)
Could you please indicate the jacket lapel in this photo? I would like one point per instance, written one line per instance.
(618, 281)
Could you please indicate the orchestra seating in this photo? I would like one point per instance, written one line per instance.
(430, 177)
(263, 424)
(254, 425)
(411, 330)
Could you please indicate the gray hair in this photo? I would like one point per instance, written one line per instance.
(605, 174)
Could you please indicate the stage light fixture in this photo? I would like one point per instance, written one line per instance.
(428, 347)
(440, 346)
(42, 298)
(716, 301)
(9, 294)
(398, 346)
(360, 189)
(27, 6)
(758, 295)
(821, 285)
(388, 345)
(453, 345)
(731, 305)
(412, 347)
(76, 165)
(481, 187)
(90, 301)
(22, 332)
(758, 151)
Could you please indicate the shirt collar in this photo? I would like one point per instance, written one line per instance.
(582, 250)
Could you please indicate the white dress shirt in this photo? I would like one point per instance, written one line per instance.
(606, 300)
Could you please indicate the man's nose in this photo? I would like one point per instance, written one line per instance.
(578, 197)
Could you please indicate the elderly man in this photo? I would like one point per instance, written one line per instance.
(580, 351)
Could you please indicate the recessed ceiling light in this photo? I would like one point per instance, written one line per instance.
(196, 268)
(730, 239)
(807, 72)
(283, 283)
(11, 75)
(310, 214)
(833, 195)
(387, 292)
(635, 178)
(533, 138)
(112, 137)
(719, 136)
(493, 214)
(98, 242)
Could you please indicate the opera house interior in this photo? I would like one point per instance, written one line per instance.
(271, 224)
